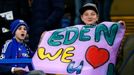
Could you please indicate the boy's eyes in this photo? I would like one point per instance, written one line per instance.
(93, 14)
(86, 14)
(24, 28)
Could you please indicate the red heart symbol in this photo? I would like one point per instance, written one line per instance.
(96, 56)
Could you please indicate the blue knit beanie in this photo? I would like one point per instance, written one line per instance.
(17, 23)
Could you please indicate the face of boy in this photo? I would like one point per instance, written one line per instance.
(21, 33)
(89, 17)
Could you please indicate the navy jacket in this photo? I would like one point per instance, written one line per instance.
(5, 69)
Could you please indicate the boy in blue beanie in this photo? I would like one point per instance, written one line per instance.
(16, 48)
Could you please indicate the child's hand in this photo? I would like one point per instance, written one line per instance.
(122, 23)
(19, 71)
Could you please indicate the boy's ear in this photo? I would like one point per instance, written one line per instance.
(81, 17)
(97, 18)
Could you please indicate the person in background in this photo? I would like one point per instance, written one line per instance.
(5, 34)
(69, 5)
(66, 19)
(89, 14)
(46, 15)
(20, 9)
(16, 47)
(78, 5)
(104, 7)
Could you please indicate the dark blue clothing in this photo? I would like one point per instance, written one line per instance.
(20, 9)
(104, 7)
(13, 50)
(5, 70)
(46, 15)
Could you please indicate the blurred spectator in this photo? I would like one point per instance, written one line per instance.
(66, 19)
(5, 34)
(104, 7)
(46, 15)
(30, 2)
(20, 9)
(69, 10)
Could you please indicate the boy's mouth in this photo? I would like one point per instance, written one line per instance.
(22, 34)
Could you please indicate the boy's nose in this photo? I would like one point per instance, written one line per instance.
(89, 17)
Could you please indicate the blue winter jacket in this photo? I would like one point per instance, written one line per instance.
(13, 50)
